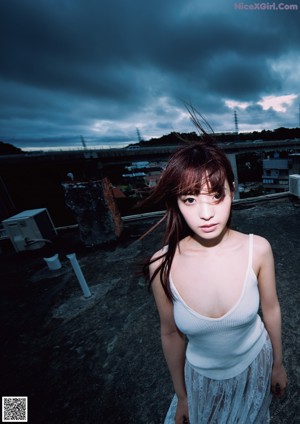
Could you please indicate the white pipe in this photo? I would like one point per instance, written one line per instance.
(79, 275)
(53, 262)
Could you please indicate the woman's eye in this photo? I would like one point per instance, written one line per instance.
(217, 196)
(189, 200)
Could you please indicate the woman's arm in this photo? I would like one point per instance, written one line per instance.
(271, 312)
(173, 344)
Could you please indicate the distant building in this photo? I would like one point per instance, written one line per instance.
(152, 178)
(275, 176)
(134, 175)
(149, 172)
(295, 159)
(138, 165)
(118, 193)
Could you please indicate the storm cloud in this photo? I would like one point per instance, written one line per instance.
(101, 69)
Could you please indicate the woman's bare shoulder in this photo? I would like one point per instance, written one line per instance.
(261, 245)
(262, 253)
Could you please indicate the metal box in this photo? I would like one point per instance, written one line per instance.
(29, 230)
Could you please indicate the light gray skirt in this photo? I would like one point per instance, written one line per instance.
(239, 400)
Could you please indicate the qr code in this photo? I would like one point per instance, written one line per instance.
(14, 409)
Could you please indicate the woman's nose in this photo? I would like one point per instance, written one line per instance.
(206, 211)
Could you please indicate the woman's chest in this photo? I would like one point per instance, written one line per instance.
(211, 286)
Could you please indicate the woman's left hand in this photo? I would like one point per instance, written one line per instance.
(278, 381)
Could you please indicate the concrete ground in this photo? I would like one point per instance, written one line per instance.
(99, 360)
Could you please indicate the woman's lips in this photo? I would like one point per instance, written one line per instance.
(208, 228)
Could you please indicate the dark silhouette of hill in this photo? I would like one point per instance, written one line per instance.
(268, 135)
(171, 139)
(9, 149)
(175, 138)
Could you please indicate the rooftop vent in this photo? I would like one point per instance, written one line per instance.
(294, 183)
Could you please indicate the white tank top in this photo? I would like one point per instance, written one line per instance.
(221, 348)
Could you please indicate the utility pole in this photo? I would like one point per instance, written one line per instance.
(83, 142)
(236, 123)
(139, 135)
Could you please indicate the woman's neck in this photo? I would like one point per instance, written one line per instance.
(219, 241)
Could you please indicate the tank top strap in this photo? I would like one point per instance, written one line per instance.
(250, 250)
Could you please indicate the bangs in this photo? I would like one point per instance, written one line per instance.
(191, 170)
(193, 180)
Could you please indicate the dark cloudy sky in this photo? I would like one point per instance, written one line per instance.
(102, 68)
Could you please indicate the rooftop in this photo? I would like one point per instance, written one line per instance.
(99, 360)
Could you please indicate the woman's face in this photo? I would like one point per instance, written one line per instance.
(204, 213)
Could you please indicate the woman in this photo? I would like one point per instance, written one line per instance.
(208, 281)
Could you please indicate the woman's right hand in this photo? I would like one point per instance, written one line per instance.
(182, 414)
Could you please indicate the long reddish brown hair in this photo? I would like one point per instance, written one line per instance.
(187, 171)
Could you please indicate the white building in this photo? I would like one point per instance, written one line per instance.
(275, 175)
